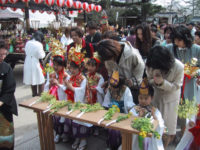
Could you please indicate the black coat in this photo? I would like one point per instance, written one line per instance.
(7, 90)
(93, 39)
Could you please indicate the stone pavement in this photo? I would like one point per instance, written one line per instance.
(26, 131)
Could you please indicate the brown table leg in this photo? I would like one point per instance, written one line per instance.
(40, 129)
(50, 132)
(126, 141)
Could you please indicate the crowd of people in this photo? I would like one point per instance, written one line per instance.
(139, 69)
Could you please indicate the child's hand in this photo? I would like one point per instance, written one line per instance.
(69, 85)
(55, 82)
(157, 76)
(191, 124)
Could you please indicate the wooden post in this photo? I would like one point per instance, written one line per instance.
(50, 132)
(126, 141)
(40, 127)
(27, 17)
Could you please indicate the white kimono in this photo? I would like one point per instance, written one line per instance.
(127, 98)
(154, 143)
(32, 71)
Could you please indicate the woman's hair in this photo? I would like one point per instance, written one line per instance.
(169, 28)
(78, 31)
(151, 90)
(111, 35)
(67, 31)
(38, 36)
(108, 49)
(160, 58)
(145, 45)
(3, 44)
(132, 31)
(59, 60)
(92, 62)
(183, 33)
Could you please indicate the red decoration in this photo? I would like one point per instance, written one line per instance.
(13, 1)
(38, 1)
(92, 7)
(41, 11)
(88, 10)
(56, 12)
(49, 12)
(3, 1)
(98, 8)
(14, 9)
(33, 11)
(49, 2)
(71, 12)
(85, 6)
(60, 3)
(3, 8)
(69, 3)
(23, 10)
(25, 1)
(77, 4)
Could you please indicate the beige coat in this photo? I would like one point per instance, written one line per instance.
(167, 96)
(130, 65)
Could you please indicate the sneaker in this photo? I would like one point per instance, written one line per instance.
(57, 138)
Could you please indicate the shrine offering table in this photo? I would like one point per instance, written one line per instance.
(45, 124)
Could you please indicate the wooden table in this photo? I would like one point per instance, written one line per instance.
(45, 124)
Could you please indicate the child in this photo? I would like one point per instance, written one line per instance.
(120, 95)
(75, 90)
(55, 86)
(191, 137)
(145, 109)
(94, 92)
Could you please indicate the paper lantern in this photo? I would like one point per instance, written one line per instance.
(88, 10)
(33, 11)
(60, 3)
(98, 8)
(14, 9)
(25, 1)
(77, 4)
(71, 12)
(13, 1)
(85, 6)
(49, 2)
(3, 1)
(69, 3)
(3, 8)
(91, 7)
(49, 12)
(38, 1)
(41, 11)
(80, 11)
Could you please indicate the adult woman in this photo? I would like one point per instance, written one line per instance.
(8, 105)
(144, 40)
(184, 50)
(32, 70)
(124, 58)
(167, 35)
(166, 75)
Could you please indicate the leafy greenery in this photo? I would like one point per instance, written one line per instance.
(46, 97)
(145, 126)
(188, 109)
(57, 105)
(92, 108)
(111, 111)
(121, 118)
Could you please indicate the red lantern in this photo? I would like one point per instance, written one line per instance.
(3, 8)
(49, 2)
(33, 11)
(71, 12)
(77, 4)
(64, 13)
(23, 10)
(49, 12)
(85, 6)
(60, 3)
(91, 7)
(80, 11)
(88, 10)
(98, 8)
(13, 1)
(41, 11)
(38, 1)
(25, 1)
(3, 1)
(69, 3)
(14, 9)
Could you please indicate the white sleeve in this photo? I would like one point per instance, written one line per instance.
(46, 86)
(128, 100)
(98, 88)
(107, 98)
(79, 92)
(40, 53)
(133, 111)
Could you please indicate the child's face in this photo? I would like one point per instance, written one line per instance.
(144, 100)
(57, 67)
(91, 68)
(74, 71)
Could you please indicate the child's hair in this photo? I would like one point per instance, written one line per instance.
(74, 65)
(151, 90)
(120, 84)
(92, 62)
(59, 60)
